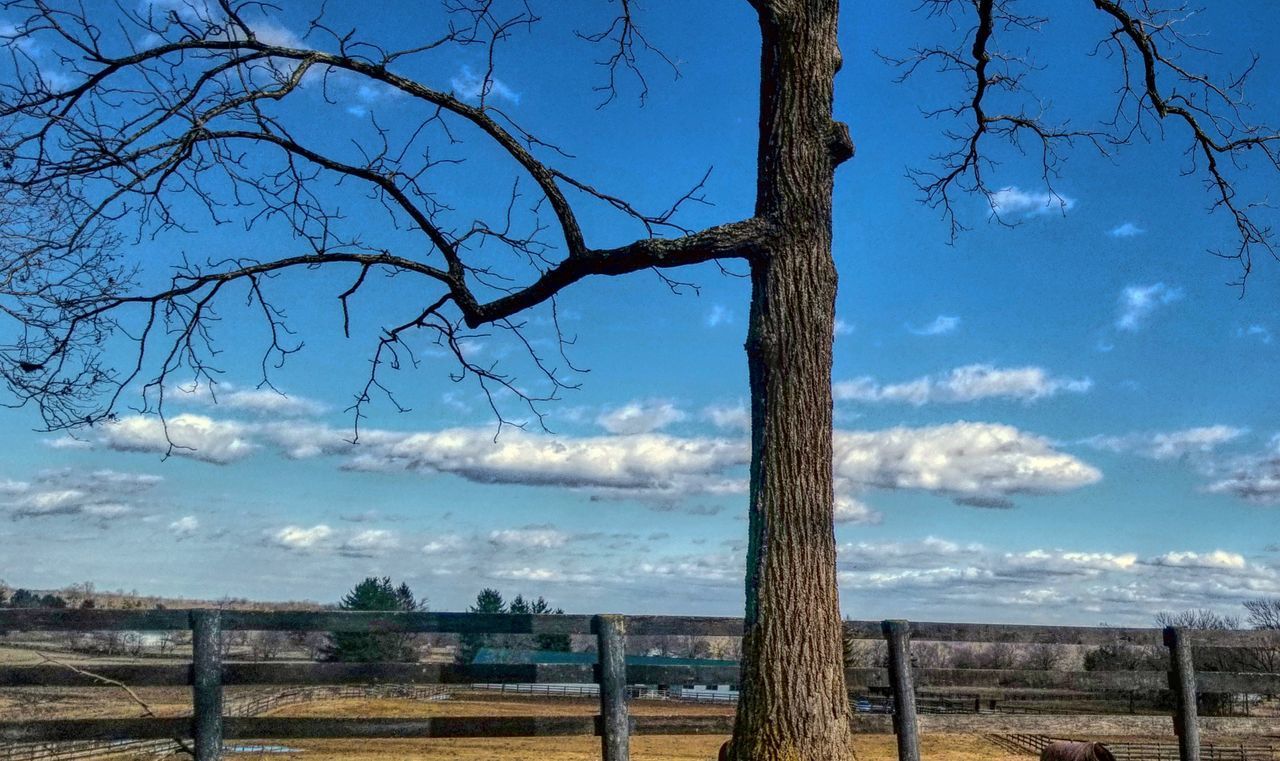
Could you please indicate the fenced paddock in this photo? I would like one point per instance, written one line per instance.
(211, 722)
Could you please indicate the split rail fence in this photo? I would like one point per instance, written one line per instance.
(211, 723)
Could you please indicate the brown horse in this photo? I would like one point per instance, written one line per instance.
(1074, 751)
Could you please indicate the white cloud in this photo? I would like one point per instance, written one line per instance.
(1169, 445)
(185, 435)
(964, 384)
(735, 417)
(538, 537)
(639, 464)
(640, 417)
(259, 401)
(47, 67)
(272, 33)
(103, 495)
(365, 95)
(718, 315)
(1254, 478)
(444, 543)
(1139, 302)
(959, 460)
(844, 328)
(58, 502)
(1215, 559)
(469, 85)
(1126, 230)
(67, 442)
(851, 510)
(9, 487)
(108, 510)
(369, 543)
(1013, 201)
(940, 326)
(1260, 332)
(185, 527)
(1097, 581)
(299, 538)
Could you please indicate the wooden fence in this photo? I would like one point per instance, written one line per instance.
(1148, 750)
(249, 705)
(211, 723)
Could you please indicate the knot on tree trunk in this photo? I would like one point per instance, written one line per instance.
(840, 143)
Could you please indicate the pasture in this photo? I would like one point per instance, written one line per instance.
(441, 710)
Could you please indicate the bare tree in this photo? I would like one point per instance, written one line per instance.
(1043, 657)
(1264, 614)
(266, 645)
(183, 104)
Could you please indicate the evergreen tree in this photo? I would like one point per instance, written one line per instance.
(375, 594)
(560, 643)
(469, 644)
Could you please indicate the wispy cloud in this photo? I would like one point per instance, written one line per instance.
(185, 527)
(369, 543)
(732, 417)
(1169, 445)
(641, 417)
(1139, 302)
(469, 85)
(718, 315)
(964, 384)
(940, 326)
(1126, 230)
(299, 537)
(1091, 580)
(1253, 478)
(99, 495)
(1257, 332)
(540, 537)
(1012, 201)
(258, 401)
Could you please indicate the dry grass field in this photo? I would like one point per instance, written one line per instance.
(655, 748)
(644, 748)
(955, 740)
(107, 702)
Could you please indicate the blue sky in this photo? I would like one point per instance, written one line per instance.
(1067, 420)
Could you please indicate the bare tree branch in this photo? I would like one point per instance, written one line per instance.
(146, 709)
(192, 119)
(1148, 42)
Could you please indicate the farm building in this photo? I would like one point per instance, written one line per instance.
(712, 692)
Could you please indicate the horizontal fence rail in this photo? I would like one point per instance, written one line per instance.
(612, 679)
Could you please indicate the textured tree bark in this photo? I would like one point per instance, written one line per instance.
(794, 704)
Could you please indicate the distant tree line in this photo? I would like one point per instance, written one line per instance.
(26, 598)
(382, 594)
(491, 601)
(1113, 656)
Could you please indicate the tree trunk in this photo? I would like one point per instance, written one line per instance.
(794, 703)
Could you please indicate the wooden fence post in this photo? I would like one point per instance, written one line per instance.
(904, 693)
(206, 683)
(611, 643)
(1182, 681)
